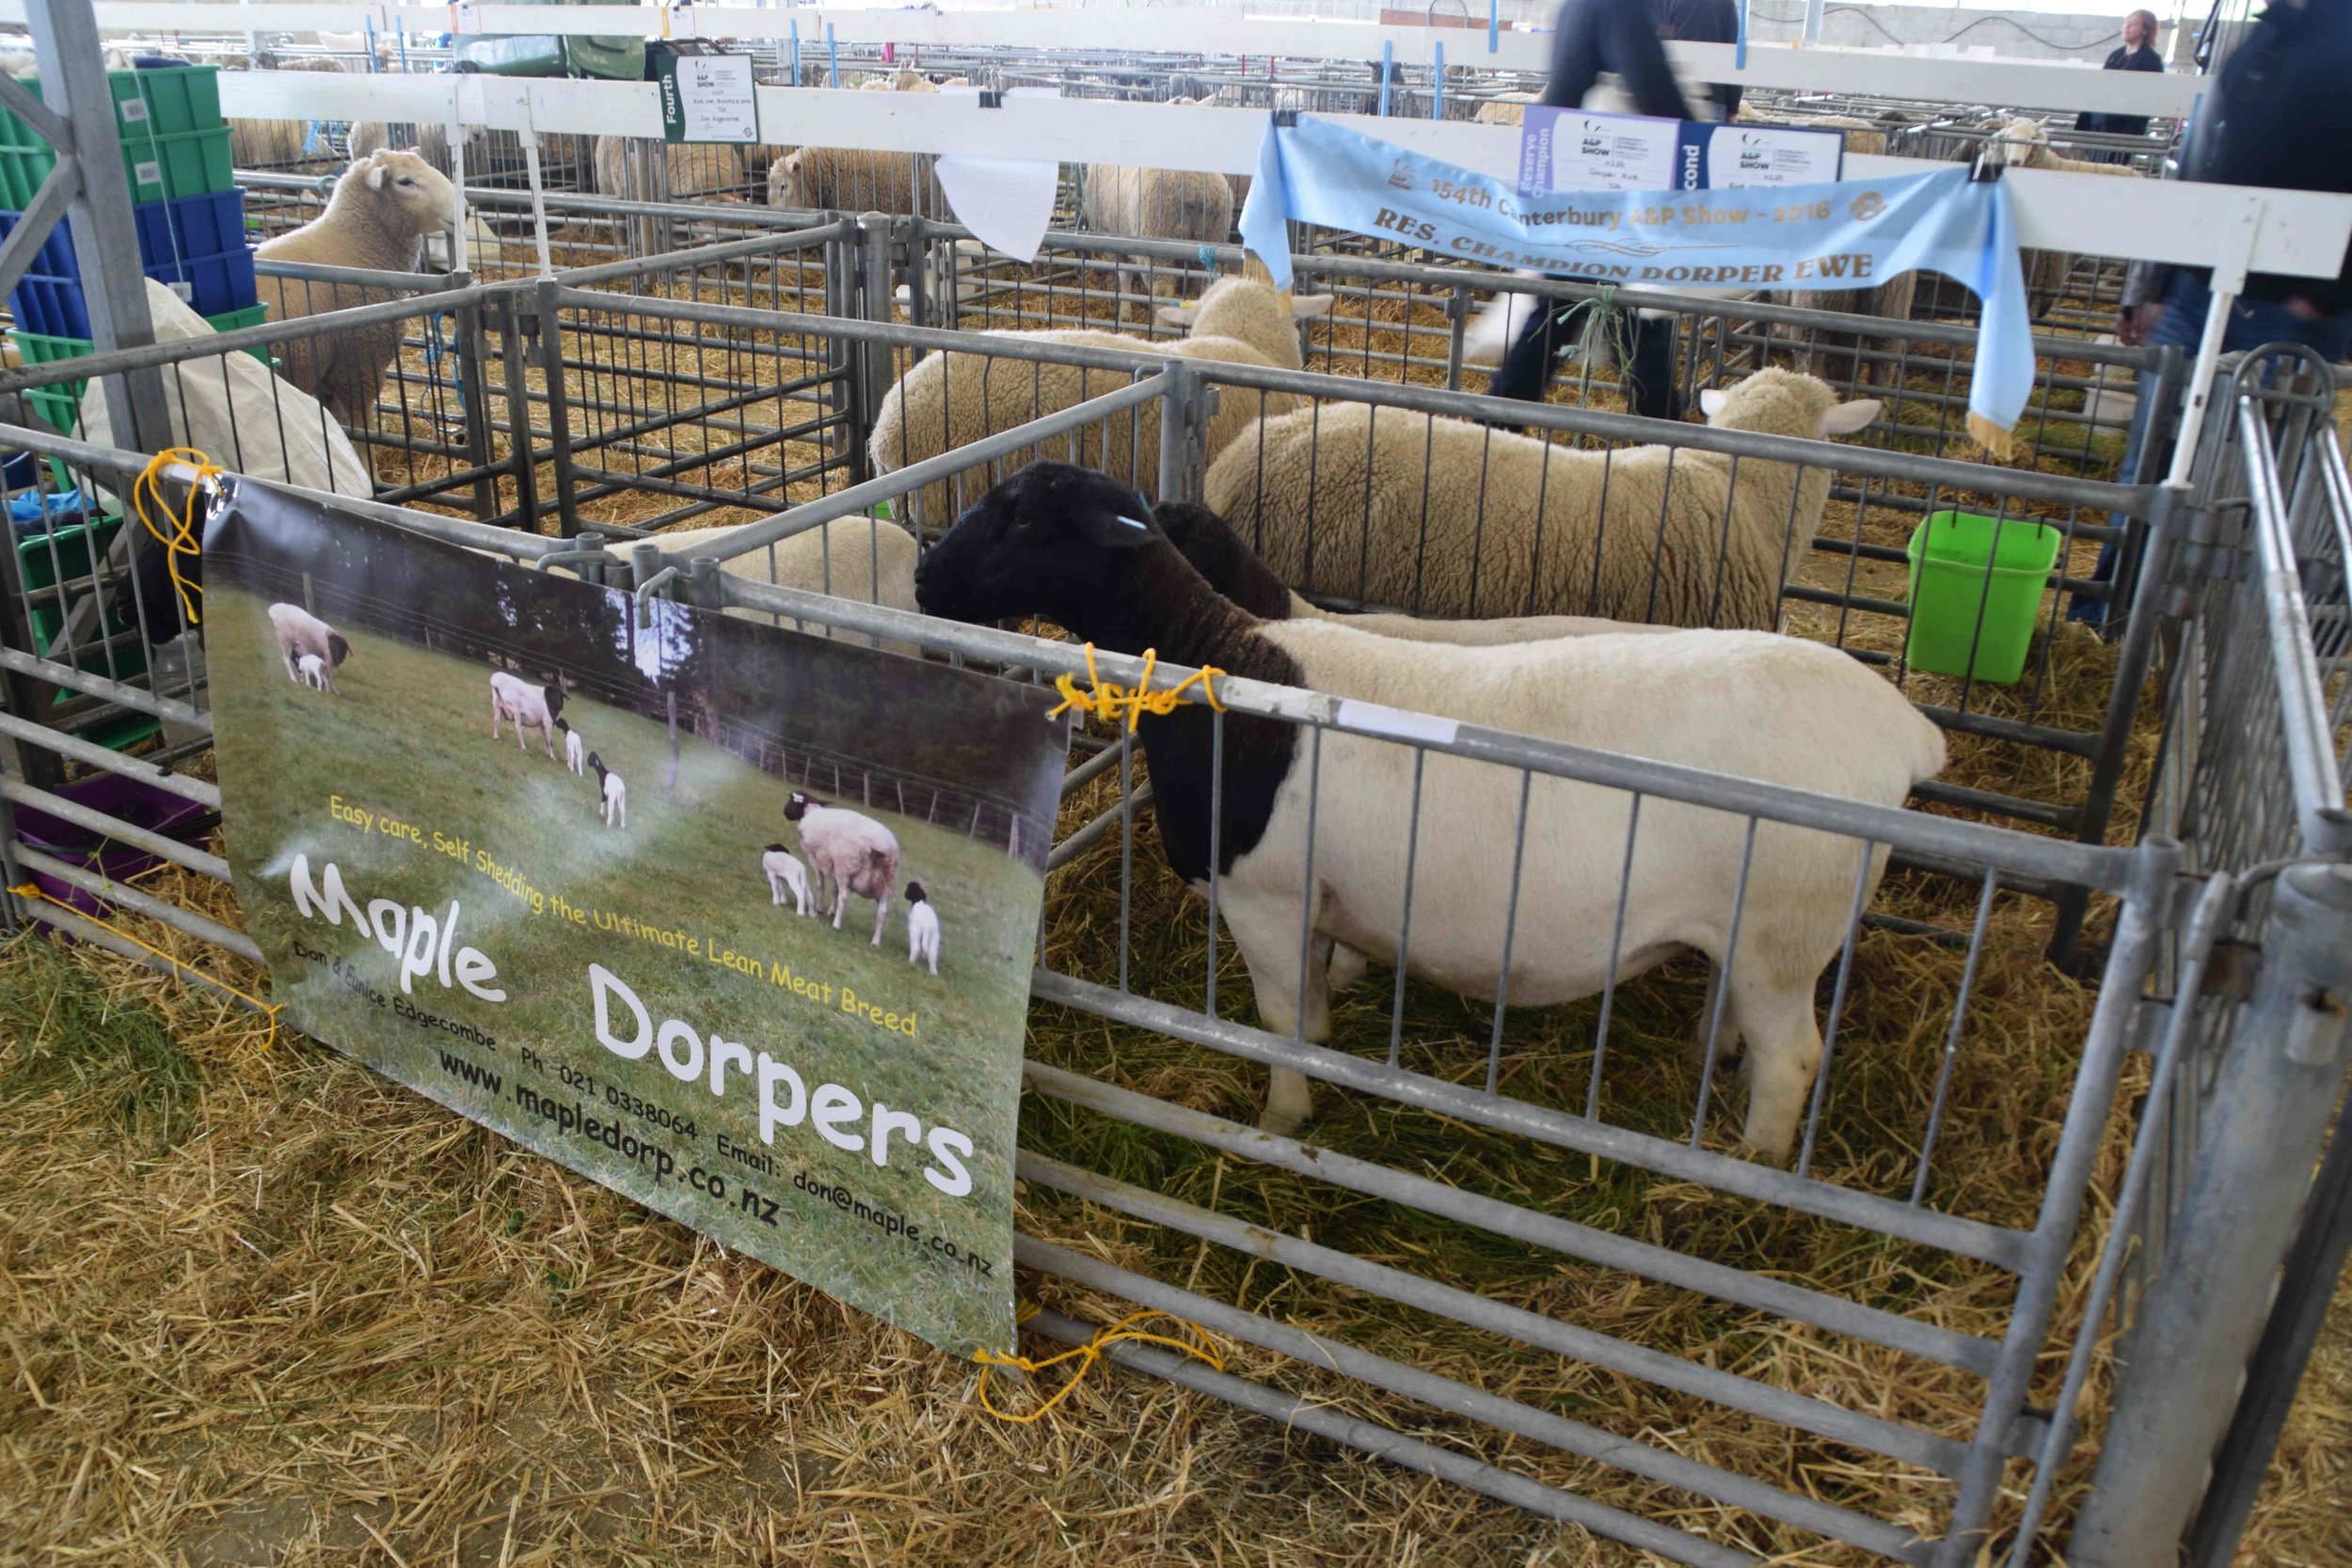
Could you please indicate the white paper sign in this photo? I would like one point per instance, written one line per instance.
(1612, 152)
(708, 98)
(1006, 202)
(1754, 155)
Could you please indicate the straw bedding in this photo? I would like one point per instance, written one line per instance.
(264, 1308)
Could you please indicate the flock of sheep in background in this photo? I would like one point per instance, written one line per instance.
(848, 851)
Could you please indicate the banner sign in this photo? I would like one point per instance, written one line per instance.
(735, 920)
(1570, 149)
(1854, 234)
(707, 98)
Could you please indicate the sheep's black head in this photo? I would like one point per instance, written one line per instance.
(1053, 540)
(555, 699)
(337, 649)
(914, 892)
(778, 849)
(597, 763)
(1218, 554)
(564, 724)
(797, 806)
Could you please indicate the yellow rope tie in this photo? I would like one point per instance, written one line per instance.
(1091, 1352)
(182, 539)
(29, 891)
(1113, 701)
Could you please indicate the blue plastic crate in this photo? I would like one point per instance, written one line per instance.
(196, 245)
(208, 225)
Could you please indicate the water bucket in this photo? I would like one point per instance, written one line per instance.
(1976, 593)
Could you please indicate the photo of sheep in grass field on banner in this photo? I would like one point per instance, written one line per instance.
(733, 919)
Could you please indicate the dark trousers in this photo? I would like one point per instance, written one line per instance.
(1647, 367)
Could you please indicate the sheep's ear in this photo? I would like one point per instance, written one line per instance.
(1711, 402)
(1305, 306)
(1179, 315)
(375, 174)
(1847, 417)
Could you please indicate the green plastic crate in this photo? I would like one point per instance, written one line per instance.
(60, 403)
(184, 163)
(148, 103)
(1975, 593)
(66, 554)
(63, 553)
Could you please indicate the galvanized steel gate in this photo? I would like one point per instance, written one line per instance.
(2164, 912)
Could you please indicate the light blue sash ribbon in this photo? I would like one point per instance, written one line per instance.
(1855, 234)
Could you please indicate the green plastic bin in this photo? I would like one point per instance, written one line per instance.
(1976, 589)
(148, 103)
(60, 403)
(113, 650)
(159, 169)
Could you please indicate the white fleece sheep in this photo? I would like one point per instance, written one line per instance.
(688, 172)
(231, 407)
(574, 754)
(1506, 109)
(786, 875)
(1746, 703)
(922, 928)
(1158, 203)
(1450, 518)
(377, 218)
(855, 854)
(2024, 144)
(517, 701)
(614, 793)
(952, 400)
(314, 673)
(863, 559)
(302, 635)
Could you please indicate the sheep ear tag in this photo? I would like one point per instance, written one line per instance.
(1114, 530)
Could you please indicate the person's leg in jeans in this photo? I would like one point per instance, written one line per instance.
(1525, 372)
(1649, 368)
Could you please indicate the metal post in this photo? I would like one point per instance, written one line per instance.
(1179, 430)
(2201, 1318)
(875, 304)
(1813, 9)
(512, 309)
(2305, 1292)
(473, 397)
(559, 404)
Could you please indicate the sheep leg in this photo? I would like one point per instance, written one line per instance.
(1265, 928)
(840, 901)
(496, 714)
(1786, 1051)
(1347, 966)
(881, 908)
(1694, 1049)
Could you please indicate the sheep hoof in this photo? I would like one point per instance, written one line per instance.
(1281, 1126)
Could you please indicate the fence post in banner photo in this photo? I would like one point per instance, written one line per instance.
(1829, 235)
(737, 921)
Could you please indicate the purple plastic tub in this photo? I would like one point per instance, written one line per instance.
(142, 805)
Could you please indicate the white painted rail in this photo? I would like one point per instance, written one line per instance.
(1221, 31)
(2299, 233)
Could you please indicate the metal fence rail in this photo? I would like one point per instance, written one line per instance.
(659, 390)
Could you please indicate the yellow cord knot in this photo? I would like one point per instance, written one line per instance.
(182, 539)
(31, 891)
(1199, 1347)
(1114, 701)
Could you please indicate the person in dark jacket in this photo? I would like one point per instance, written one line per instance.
(1621, 37)
(2138, 53)
(2278, 116)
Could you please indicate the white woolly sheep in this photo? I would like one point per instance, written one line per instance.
(851, 179)
(380, 214)
(1051, 541)
(1158, 203)
(786, 875)
(2024, 143)
(231, 406)
(922, 928)
(1446, 518)
(301, 634)
(517, 701)
(855, 854)
(1506, 109)
(1228, 566)
(313, 671)
(610, 790)
(952, 400)
(689, 171)
(575, 754)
